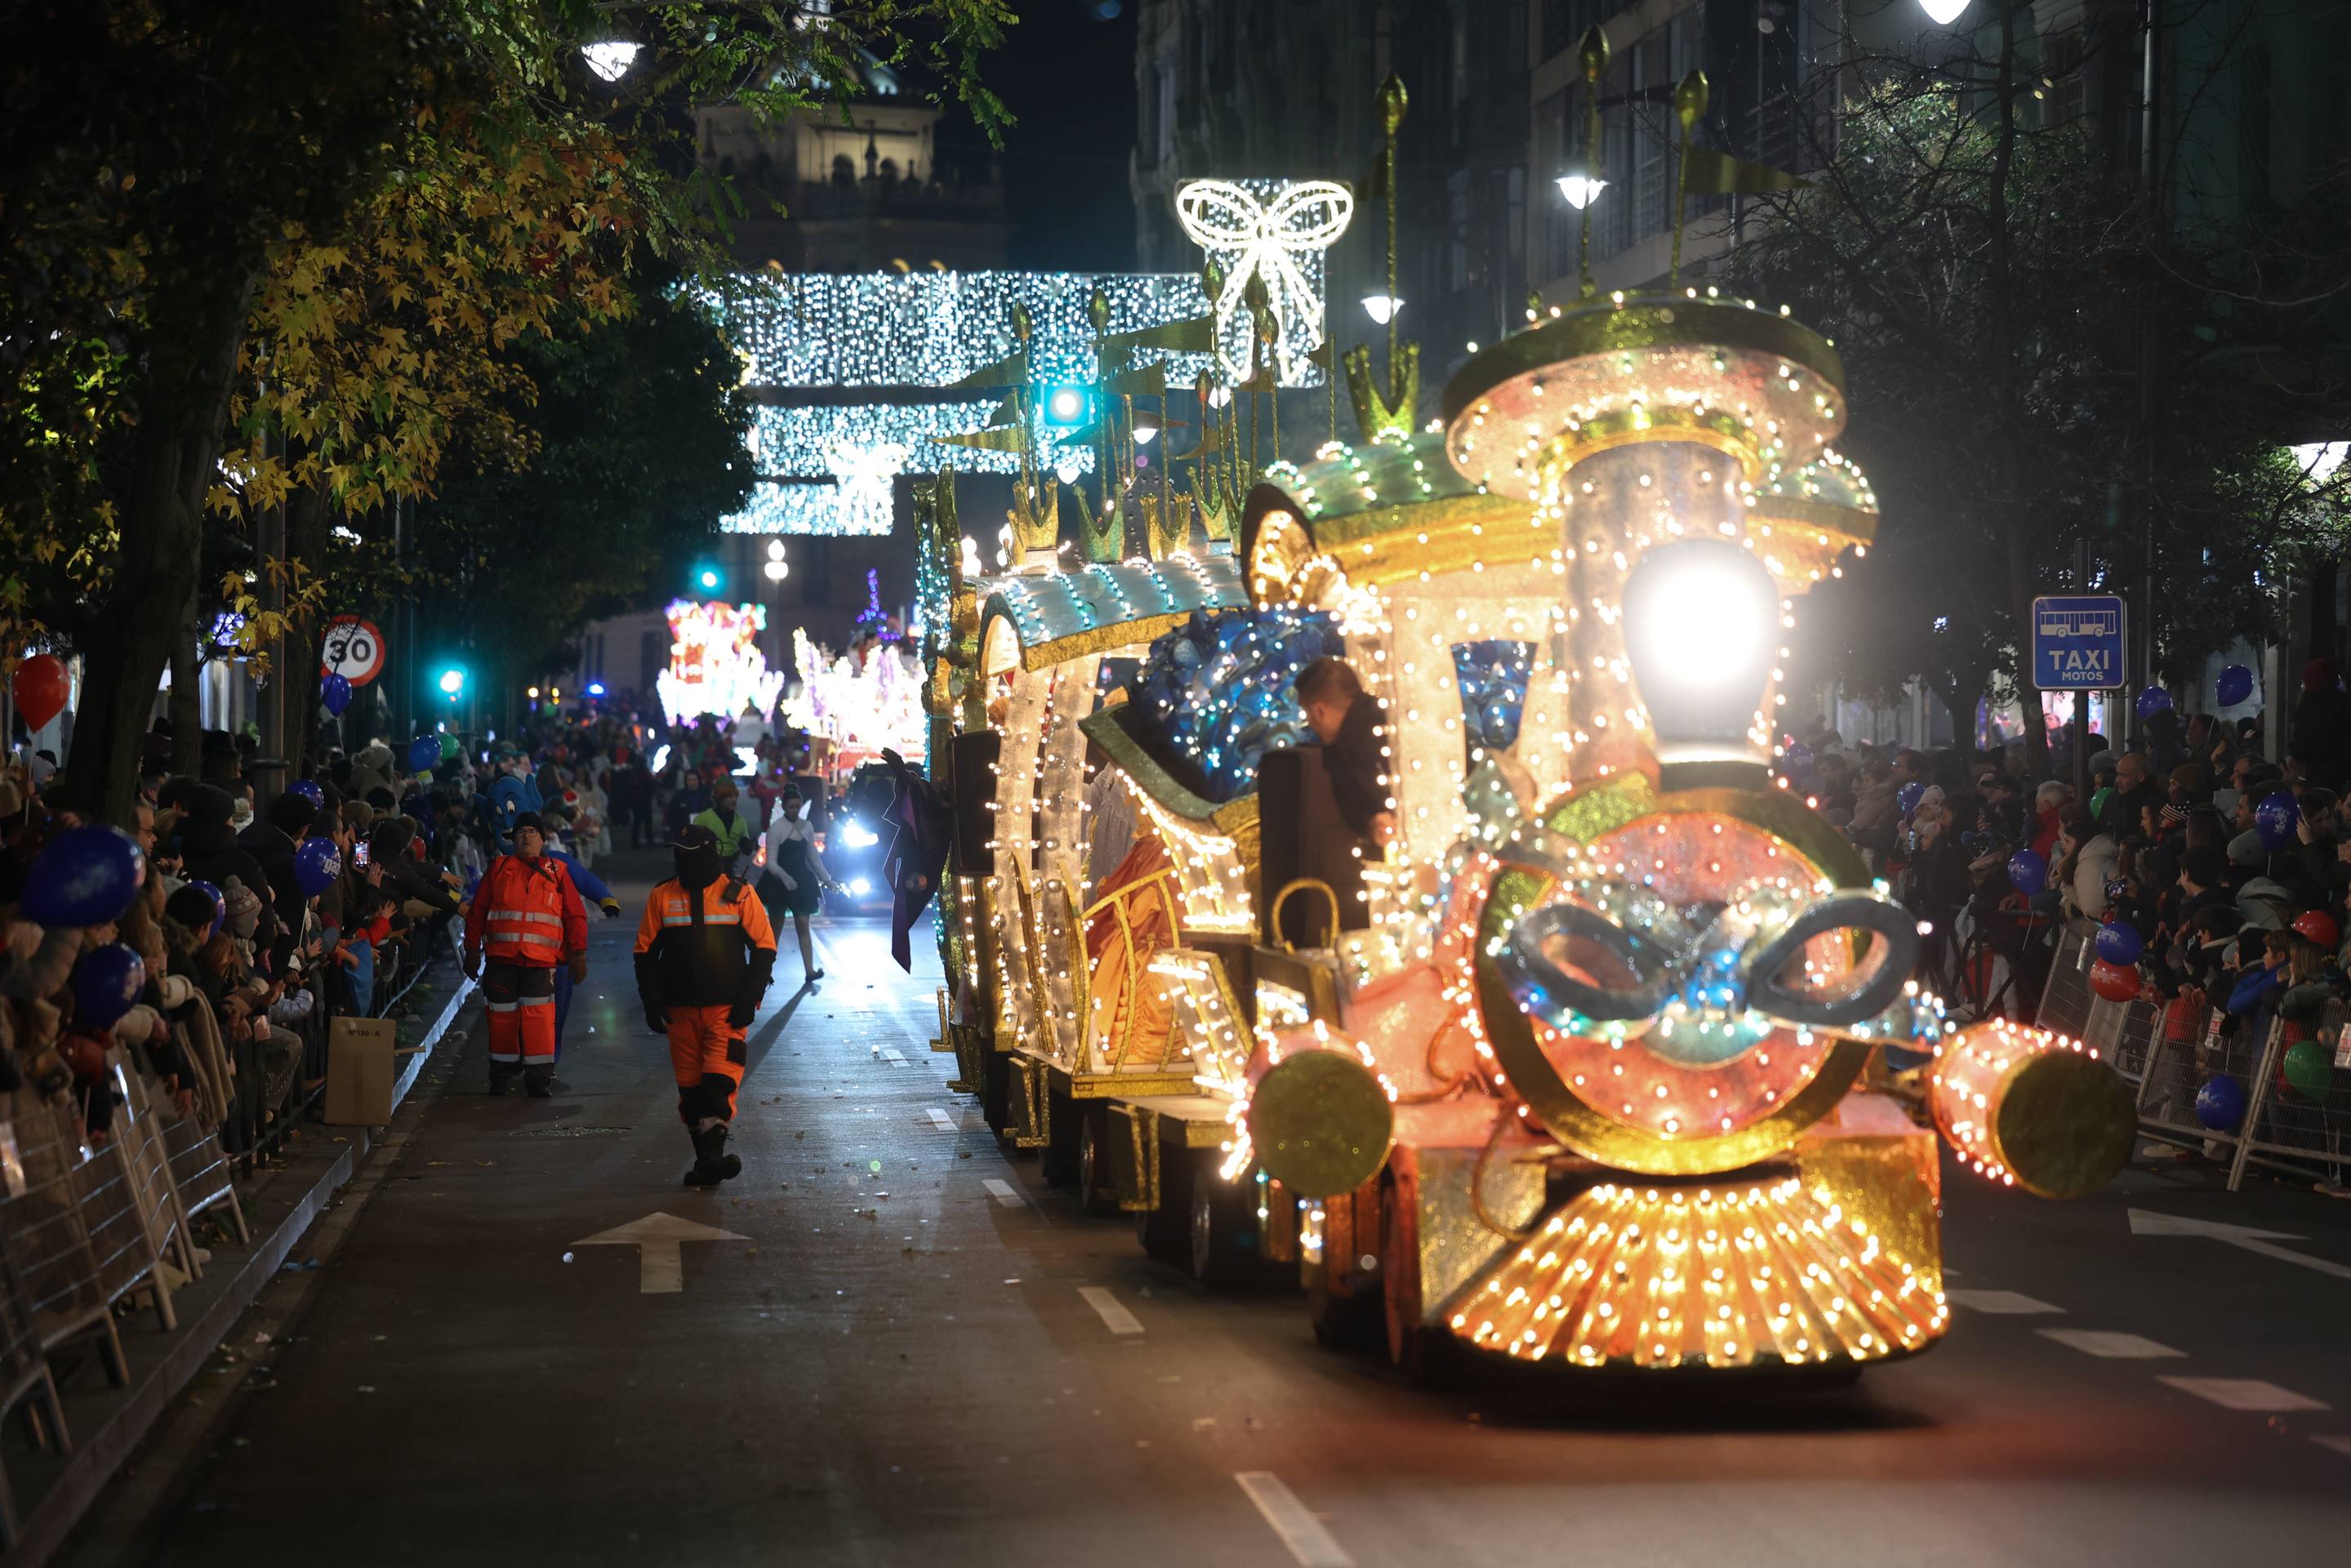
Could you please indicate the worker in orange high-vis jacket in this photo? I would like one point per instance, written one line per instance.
(704, 952)
(528, 916)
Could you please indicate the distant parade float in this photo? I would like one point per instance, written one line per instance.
(1585, 1066)
(714, 663)
(858, 705)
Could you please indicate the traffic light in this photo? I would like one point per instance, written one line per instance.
(706, 577)
(451, 682)
(1067, 405)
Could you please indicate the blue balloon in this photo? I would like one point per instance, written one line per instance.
(2119, 942)
(2220, 1104)
(2028, 872)
(2236, 683)
(2275, 819)
(106, 984)
(220, 903)
(317, 864)
(2152, 701)
(422, 753)
(308, 789)
(335, 694)
(84, 877)
(1906, 798)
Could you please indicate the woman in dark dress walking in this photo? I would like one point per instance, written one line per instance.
(795, 878)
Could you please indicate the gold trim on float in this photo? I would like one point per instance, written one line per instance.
(1103, 640)
(1237, 819)
(1771, 1269)
(1584, 815)
(1654, 322)
(1380, 545)
(1845, 525)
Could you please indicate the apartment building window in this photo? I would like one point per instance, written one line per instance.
(1612, 216)
(1646, 172)
(1558, 27)
(1555, 244)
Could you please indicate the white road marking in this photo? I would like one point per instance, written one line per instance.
(940, 1119)
(2245, 1393)
(2145, 1223)
(2340, 1444)
(1114, 1317)
(1001, 1191)
(1313, 1545)
(657, 1238)
(893, 1058)
(2111, 1345)
(2000, 1303)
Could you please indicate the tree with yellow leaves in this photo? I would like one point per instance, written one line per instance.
(275, 255)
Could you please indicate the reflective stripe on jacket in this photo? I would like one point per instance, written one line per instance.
(527, 911)
(702, 963)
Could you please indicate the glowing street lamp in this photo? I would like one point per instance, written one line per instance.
(1581, 185)
(1382, 308)
(1943, 13)
(611, 59)
(1147, 430)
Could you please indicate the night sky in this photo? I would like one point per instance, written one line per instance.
(1067, 73)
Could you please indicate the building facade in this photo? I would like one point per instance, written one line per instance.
(1240, 89)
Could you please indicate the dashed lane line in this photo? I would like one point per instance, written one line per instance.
(1001, 1191)
(2110, 1345)
(894, 1057)
(940, 1119)
(1113, 1314)
(2245, 1393)
(1308, 1543)
(2000, 1303)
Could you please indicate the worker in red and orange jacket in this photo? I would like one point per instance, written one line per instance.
(528, 916)
(705, 953)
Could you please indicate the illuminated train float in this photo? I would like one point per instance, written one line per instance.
(1581, 1071)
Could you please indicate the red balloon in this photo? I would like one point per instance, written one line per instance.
(2113, 981)
(40, 689)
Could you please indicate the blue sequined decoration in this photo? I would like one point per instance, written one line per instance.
(1218, 689)
(1492, 676)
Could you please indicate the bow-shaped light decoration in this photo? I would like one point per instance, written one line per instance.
(1272, 229)
(1706, 982)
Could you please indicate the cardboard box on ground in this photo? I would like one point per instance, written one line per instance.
(360, 1057)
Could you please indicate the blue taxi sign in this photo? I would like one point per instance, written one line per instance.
(2077, 642)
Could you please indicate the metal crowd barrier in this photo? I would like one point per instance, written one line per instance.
(2280, 1128)
(81, 1227)
(2066, 1000)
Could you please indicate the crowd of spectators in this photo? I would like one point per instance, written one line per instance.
(2232, 870)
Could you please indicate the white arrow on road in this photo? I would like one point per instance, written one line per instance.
(2143, 1223)
(657, 1238)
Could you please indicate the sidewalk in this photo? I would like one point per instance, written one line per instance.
(55, 1492)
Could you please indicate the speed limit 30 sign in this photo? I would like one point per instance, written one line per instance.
(354, 649)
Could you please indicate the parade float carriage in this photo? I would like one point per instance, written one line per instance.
(1577, 1070)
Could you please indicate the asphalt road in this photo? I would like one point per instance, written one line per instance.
(918, 1354)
